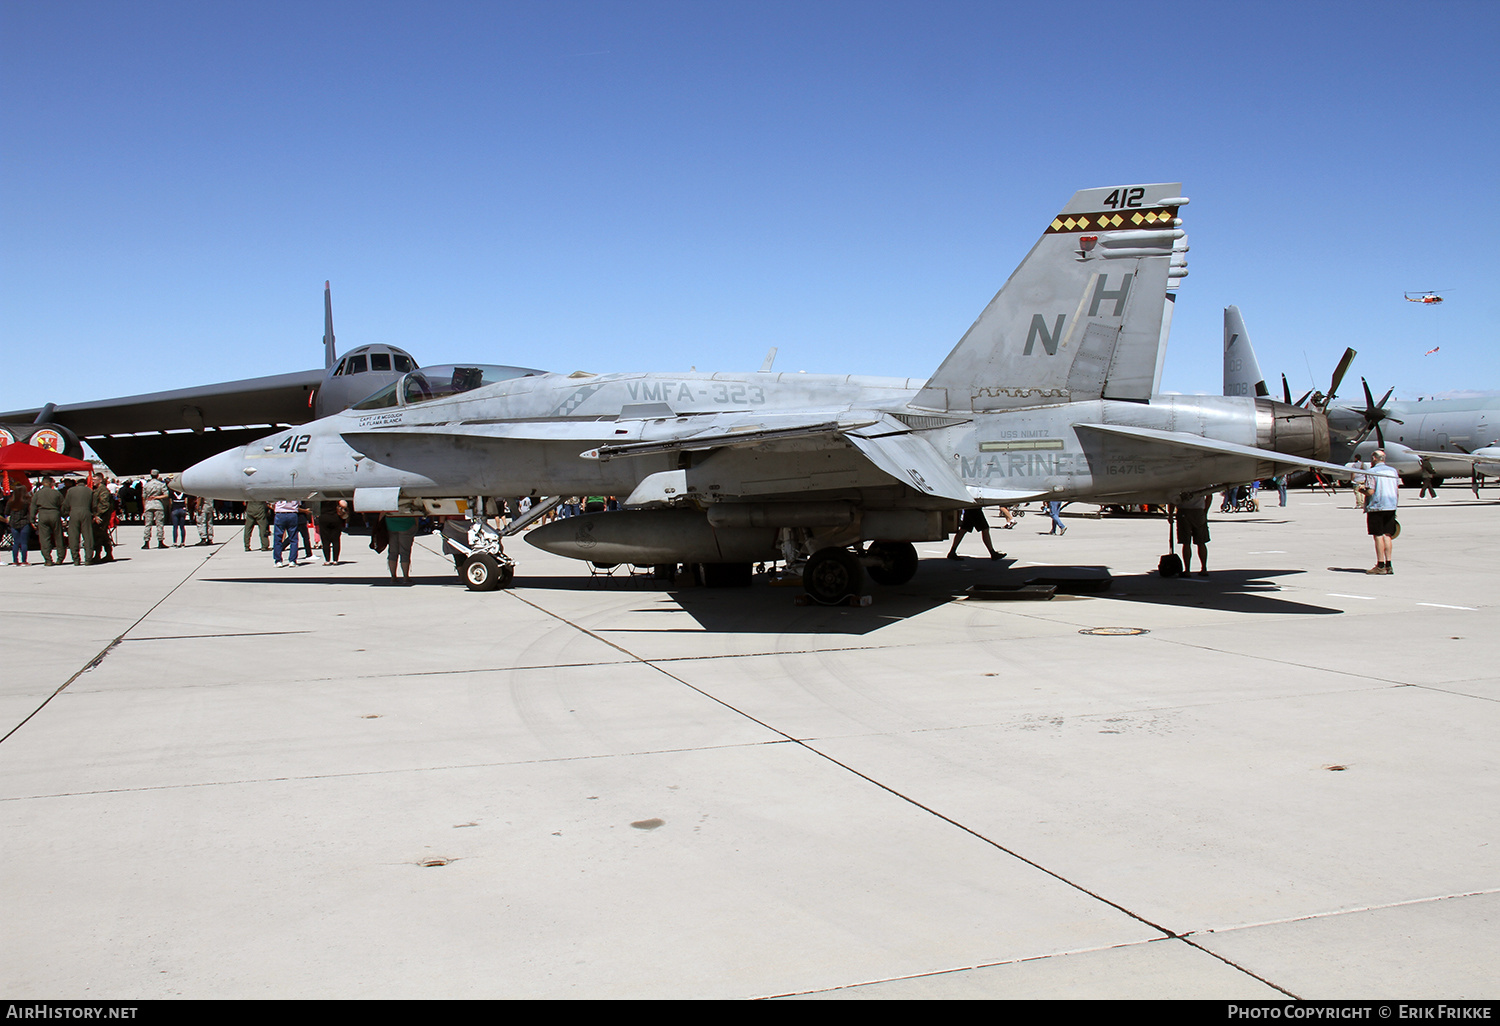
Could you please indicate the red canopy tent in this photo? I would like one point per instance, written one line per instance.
(32, 459)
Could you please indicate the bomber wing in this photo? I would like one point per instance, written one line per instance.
(204, 419)
(275, 399)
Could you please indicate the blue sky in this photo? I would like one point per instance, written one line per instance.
(658, 185)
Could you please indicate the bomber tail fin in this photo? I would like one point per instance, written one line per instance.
(330, 351)
(1242, 374)
(1082, 317)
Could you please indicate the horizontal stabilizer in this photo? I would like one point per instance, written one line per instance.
(1197, 443)
(1005, 496)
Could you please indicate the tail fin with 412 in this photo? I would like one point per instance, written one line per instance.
(1082, 317)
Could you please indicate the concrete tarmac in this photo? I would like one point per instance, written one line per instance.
(220, 779)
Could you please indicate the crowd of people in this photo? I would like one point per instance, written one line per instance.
(71, 520)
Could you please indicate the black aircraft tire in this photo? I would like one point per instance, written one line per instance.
(832, 575)
(896, 562)
(482, 572)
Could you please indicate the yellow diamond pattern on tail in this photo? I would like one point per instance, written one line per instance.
(1108, 219)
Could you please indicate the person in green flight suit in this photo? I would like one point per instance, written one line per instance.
(46, 517)
(79, 500)
(104, 511)
(256, 514)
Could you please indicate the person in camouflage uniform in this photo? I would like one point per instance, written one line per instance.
(205, 514)
(154, 509)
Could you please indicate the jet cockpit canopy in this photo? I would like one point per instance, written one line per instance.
(428, 383)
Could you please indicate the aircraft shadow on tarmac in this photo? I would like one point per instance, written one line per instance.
(761, 609)
(1233, 591)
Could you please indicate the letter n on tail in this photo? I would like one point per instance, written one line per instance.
(1039, 329)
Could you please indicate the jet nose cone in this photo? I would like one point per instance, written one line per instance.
(224, 476)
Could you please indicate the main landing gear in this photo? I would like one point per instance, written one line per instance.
(835, 574)
(831, 575)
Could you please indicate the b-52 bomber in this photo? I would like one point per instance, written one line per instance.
(173, 429)
(1051, 394)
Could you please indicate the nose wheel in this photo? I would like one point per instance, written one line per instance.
(483, 572)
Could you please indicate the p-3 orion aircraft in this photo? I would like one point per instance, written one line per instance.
(1051, 394)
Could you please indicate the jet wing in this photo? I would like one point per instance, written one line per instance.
(889, 446)
(668, 434)
(887, 443)
(739, 431)
(1198, 443)
(1488, 455)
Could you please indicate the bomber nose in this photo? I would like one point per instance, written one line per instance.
(223, 476)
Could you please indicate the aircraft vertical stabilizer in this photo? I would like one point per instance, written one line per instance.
(330, 351)
(1082, 317)
(1242, 374)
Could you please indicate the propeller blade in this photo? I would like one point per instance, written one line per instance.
(1338, 374)
(1286, 390)
(1304, 398)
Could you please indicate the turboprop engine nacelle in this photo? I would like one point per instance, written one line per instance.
(1294, 430)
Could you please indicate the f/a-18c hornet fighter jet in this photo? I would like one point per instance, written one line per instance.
(1049, 395)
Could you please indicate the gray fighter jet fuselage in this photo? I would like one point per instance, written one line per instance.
(757, 434)
(1049, 395)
